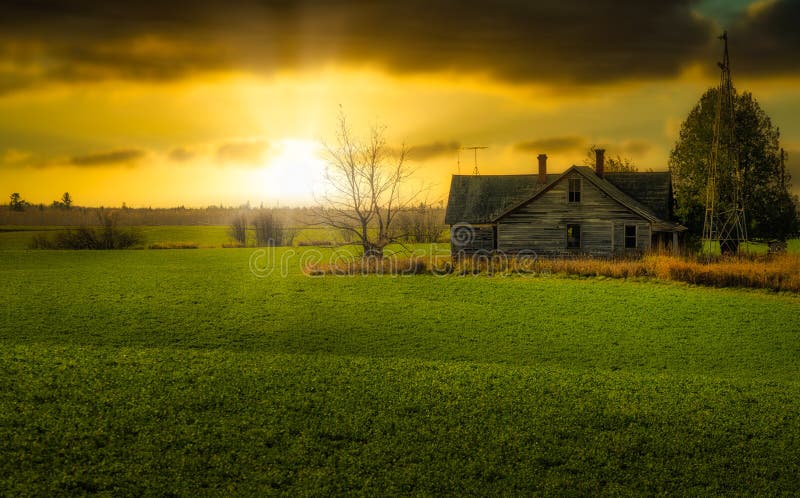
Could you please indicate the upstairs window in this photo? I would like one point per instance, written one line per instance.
(630, 236)
(573, 236)
(575, 190)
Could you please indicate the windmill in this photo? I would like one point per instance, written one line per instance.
(724, 222)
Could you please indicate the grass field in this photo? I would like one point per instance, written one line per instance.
(15, 238)
(156, 372)
(204, 236)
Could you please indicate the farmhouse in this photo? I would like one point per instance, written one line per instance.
(580, 211)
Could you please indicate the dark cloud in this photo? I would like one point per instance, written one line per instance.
(122, 156)
(249, 152)
(564, 41)
(181, 154)
(766, 41)
(434, 149)
(553, 144)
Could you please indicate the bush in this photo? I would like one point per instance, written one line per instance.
(89, 238)
(268, 228)
(238, 229)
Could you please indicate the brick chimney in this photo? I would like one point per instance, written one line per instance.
(542, 168)
(600, 162)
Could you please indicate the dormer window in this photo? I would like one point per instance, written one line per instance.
(575, 190)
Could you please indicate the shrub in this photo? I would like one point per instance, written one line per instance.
(268, 229)
(89, 238)
(238, 229)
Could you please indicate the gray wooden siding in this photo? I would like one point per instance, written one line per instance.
(473, 238)
(541, 225)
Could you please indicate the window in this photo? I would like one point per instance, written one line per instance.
(573, 236)
(630, 236)
(575, 190)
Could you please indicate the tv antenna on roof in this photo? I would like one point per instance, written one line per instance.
(475, 151)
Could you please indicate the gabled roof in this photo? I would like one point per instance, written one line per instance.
(485, 199)
(653, 189)
(480, 199)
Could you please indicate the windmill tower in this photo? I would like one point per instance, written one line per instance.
(724, 222)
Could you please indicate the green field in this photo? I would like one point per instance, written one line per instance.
(155, 372)
(16, 237)
(203, 236)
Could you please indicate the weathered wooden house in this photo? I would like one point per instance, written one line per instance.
(580, 211)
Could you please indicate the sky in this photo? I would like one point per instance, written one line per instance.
(203, 102)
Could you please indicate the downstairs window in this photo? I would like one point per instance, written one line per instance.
(573, 236)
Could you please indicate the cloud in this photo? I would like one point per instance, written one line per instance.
(115, 157)
(766, 40)
(181, 154)
(249, 152)
(13, 157)
(636, 147)
(556, 41)
(553, 144)
(433, 149)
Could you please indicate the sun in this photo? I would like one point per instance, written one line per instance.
(294, 171)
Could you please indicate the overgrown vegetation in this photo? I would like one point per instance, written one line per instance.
(779, 272)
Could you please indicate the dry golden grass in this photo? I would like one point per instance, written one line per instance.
(776, 272)
(371, 266)
(173, 245)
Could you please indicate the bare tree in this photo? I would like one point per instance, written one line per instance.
(421, 223)
(268, 227)
(238, 229)
(616, 164)
(365, 181)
